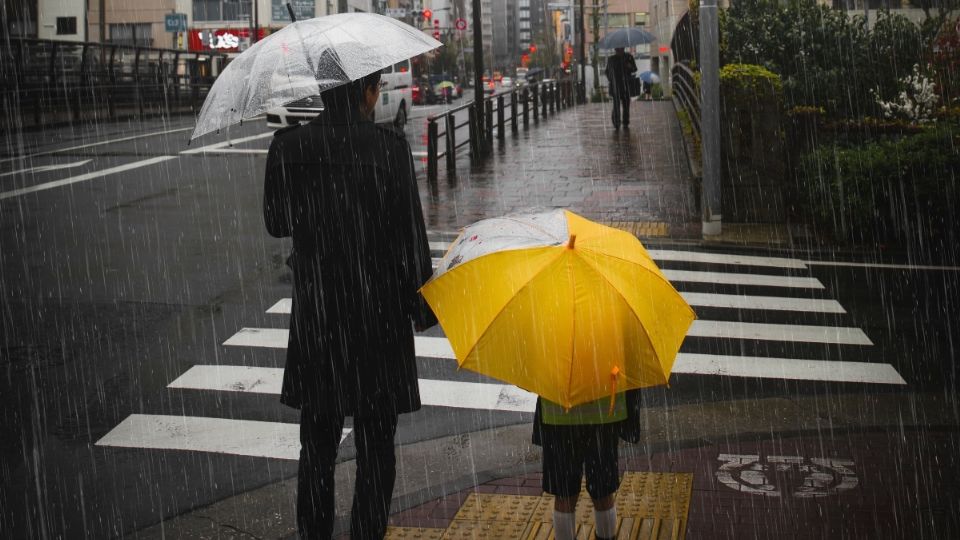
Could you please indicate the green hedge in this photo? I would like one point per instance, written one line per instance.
(905, 189)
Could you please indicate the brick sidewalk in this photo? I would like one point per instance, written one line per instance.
(576, 160)
(890, 484)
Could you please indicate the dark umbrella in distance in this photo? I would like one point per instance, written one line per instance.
(626, 38)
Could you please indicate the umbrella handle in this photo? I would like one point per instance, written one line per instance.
(293, 18)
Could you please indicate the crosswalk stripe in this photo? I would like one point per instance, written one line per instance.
(219, 435)
(456, 394)
(276, 338)
(841, 335)
(718, 258)
(729, 278)
(439, 246)
(772, 303)
(786, 368)
(733, 301)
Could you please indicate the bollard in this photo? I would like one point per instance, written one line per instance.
(475, 135)
(536, 103)
(451, 143)
(432, 152)
(488, 124)
(513, 112)
(553, 98)
(544, 99)
(500, 115)
(526, 108)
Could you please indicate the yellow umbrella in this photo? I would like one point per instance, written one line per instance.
(558, 305)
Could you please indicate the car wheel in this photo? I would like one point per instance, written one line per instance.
(401, 120)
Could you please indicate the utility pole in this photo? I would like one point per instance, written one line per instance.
(103, 21)
(478, 66)
(582, 87)
(710, 116)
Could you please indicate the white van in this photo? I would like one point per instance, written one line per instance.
(396, 98)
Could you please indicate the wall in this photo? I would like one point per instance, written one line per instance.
(49, 10)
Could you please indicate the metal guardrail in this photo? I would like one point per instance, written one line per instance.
(49, 81)
(686, 93)
(540, 98)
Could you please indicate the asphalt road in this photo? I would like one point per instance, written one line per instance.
(114, 286)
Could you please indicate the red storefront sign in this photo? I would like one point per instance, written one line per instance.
(221, 39)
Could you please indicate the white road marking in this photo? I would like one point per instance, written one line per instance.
(99, 143)
(728, 278)
(733, 301)
(786, 368)
(218, 435)
(843, 335)
(418, 154)
(47, 168)
(84, 177)
(884, 265)
(718, 258)
(225, 144)
(437, 393)
(774, 303)
(236, 151)
(440, 246)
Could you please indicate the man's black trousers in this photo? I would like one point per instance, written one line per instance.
(320, 434)
(621, 101)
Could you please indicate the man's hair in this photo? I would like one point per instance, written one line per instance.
(350, 94)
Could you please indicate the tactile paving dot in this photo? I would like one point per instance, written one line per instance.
(485, 529)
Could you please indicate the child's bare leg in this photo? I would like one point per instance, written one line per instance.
(564, 518)
(605, 516)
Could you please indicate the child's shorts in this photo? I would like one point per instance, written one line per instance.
(571, 451)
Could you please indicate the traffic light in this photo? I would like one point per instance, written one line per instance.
(427, 14)
(533, 48)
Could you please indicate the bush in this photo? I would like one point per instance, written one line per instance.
(745, 84)
(905, 189)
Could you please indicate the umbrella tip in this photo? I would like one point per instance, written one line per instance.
(572, 241)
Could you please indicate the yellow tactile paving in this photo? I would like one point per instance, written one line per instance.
(414, 533)
(650, 506)
(642, 229)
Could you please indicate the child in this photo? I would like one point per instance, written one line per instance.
(582, 439)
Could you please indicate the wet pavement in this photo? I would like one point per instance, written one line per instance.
(144, 319)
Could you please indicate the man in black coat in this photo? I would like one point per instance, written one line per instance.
(620, 68)
(346, 191)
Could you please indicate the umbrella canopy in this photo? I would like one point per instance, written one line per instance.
(649, 77)
(304, 59)
(625, 38)
(558, 305)
(445, 84)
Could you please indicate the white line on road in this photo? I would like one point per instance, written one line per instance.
(727, 278)
(219, 435)
(884, 265)
(440, 246)
(225, 144)
(786, 368)
(83, 177)
(456, 394)
(99, 143)
(733, 301)
(47, 168)
(236, 151)
(773, 303)
(718, 258)
(842, 335)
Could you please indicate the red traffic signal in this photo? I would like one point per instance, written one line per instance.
(427, 14)
(533, 48)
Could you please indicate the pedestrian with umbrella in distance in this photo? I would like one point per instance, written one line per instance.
(346, 192)
(620, 69)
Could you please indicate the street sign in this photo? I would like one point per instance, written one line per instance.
(461, 24)
(175, 22)
(396, 13)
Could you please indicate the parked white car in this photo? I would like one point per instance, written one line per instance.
(396, 98)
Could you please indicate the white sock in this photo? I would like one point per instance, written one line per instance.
(606, 522)
(564, 525)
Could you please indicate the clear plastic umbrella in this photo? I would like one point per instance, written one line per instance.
(625, 38)
(305, 58)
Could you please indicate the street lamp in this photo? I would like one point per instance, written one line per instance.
(710, 116)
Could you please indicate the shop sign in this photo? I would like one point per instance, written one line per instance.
(221, 39)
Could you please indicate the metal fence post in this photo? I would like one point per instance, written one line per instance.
(500, 115)
(544, 99)
(432, 151)
(451, 143)
(475, 136)
(513, 112)
(488, 125)
(526, 108)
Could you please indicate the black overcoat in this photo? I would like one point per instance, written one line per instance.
(346, 191)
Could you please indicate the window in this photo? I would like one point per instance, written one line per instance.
(221, 10)
(66, 26)
(616, 20)
(134, 34)
(640, 19)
